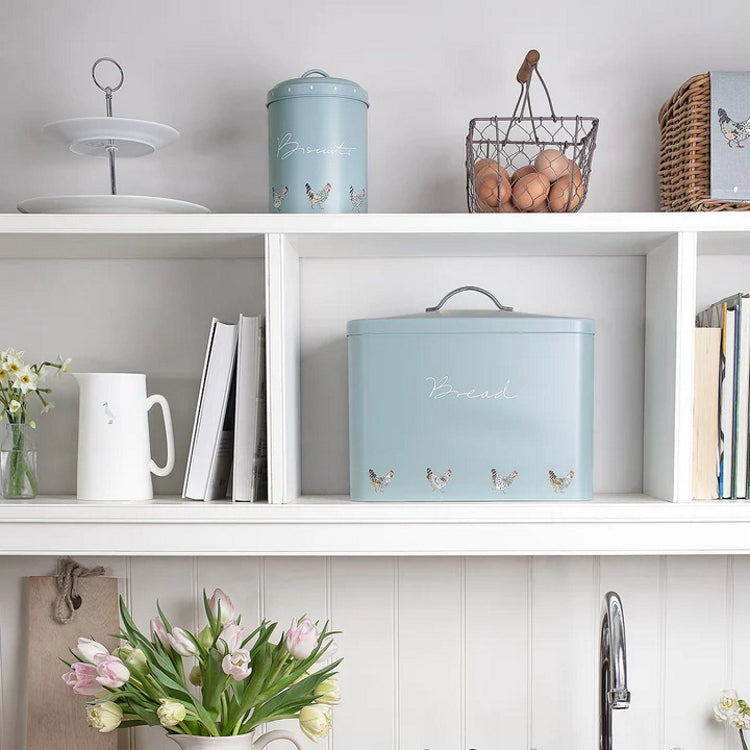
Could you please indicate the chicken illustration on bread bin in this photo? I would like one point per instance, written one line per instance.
(501, 483)
(380, 483)
(560, 484)
(438, 482)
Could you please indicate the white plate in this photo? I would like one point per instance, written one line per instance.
(108, 204)
(89, 136)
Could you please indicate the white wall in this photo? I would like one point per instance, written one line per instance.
(429, 66)
(453, 653)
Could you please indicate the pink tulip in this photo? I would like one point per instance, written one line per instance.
(88, 649)
(181, 643)
(302, 638)
(237, 664)
(233, 635)
(111, 672)
(159, 630)
(82, 678)
(227, 608)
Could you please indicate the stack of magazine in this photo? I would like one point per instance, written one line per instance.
(721, 400)
(228, 446)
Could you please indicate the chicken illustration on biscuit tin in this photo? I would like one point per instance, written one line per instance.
(319, 197)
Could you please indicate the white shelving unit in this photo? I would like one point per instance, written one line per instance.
(640, 275)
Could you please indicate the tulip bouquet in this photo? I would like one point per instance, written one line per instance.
(733, 711)
(238, 678)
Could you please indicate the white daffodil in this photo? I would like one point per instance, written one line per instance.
(47, 406)
(14, 406)
(13, 362)
(63, 364)
(26, 379)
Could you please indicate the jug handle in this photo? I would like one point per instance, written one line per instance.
(277, 734)
(162, 471)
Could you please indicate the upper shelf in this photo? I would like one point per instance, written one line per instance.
(331, 235)
(611, 524)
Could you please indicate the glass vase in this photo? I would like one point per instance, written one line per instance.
(18, 462)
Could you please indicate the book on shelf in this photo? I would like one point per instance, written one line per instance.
(732, 317)
(706, 414)
(210, 456)
(250, 412)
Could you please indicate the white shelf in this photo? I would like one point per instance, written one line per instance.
(381, 235)
(610, 525)
(666, 275)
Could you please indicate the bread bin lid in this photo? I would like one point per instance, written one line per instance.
(501, 320)
(325, 85)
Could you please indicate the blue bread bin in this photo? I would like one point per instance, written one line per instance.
(471, 405)
(317, 145)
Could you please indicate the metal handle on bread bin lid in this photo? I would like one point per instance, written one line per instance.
(479, 289)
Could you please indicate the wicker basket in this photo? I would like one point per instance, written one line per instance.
(685, 159)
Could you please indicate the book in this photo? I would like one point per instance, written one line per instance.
(250, 408)
(741, 397)
(706, 414)
(210, 455)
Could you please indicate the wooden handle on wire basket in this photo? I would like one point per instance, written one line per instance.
(527, 66)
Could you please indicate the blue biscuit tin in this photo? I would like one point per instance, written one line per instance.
(471, 405)
(317, 145)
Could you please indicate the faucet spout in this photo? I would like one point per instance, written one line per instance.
(613, 677)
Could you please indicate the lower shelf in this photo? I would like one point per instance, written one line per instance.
(609, 525)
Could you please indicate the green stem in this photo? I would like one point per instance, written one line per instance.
(742, 739)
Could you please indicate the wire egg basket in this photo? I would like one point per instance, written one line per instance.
(527, 163)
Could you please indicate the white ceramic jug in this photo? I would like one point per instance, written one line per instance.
(114, 450)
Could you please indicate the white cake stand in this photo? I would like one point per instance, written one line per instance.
(110, 137)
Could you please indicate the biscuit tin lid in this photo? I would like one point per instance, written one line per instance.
(325, 85)
(501, 320)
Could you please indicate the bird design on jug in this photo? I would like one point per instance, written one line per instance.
(560, 484)
(438, 482)
(501, 483)
(108, 413)
(380, 483)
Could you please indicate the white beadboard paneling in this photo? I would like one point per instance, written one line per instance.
(363, 608)
(430, 653)
(564, 632)
(695, 668)
(173, 582)
(738, 676)
(293, 587)
(497, 657)
(638, 582)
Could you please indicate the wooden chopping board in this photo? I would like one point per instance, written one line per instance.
(56, 716)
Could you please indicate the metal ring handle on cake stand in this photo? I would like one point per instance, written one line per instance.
(479, 289)
(111, 147)
(313, 71)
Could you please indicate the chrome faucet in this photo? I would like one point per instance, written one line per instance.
(613, 677)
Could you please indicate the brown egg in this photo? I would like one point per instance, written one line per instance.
(488, 166)
(560, 192)
(530, 191)
(493, 191)
(522, 172)
(508, 208)
(484, 208)
(543, 208)
(553, 164)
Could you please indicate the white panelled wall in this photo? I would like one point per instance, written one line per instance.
(459, 653)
